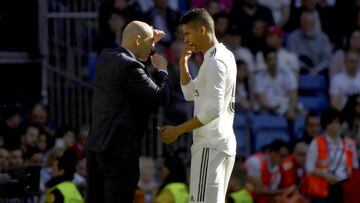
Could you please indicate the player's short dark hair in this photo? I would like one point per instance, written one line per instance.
(198, 17)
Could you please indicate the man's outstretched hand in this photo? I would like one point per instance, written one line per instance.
(158, 34)
(169, 134)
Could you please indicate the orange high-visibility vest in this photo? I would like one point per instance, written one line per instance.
(266, 177)
(316, 186)
(288, 172)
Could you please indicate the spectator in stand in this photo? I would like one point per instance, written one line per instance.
(263, 173)
(110, 36)
(46, 170)
(345, 83)
(131, 10)
(84, 132)
(256, 42)
(221, 21)
(147, 181)
(16, 158)
(39, 118)
(42, 143)
(243, 95)
(165, 19)
(325, 166)
(351, 117)
(34, 157)
(113, 15)
(285, 58)
(323, 16)
(30, 138)
(349, 20)
(61, 188)
(280, 10)
(312, 127)
(174, 188)
(243, 16)
(80, 175)
(10, 129)
(66, 135)
(213, 7)
(237, 191)
(4, 164)
(232, 41)
(338, 59)
(311, 45)
(276, 88)
(4, 157)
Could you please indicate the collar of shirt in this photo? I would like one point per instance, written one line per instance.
(208, 53)
(331, 141)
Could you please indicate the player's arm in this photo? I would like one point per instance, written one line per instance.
(170, 134)
(187, 85)
(216, 74)
(186, 52)
(215, 83)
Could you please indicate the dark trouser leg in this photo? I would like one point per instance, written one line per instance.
(94, 179)
(120, 165)
(121, 183)
(335, 193)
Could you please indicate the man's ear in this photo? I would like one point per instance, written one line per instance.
(138, 37)
(202, 30)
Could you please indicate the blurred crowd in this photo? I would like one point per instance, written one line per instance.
(276, 43)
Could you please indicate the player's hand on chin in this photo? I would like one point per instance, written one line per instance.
(169, 134)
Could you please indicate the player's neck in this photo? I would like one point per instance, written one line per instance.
(211, 41)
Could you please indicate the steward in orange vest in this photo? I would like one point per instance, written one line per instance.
(292, 168)
(329, 162)
(263, 173)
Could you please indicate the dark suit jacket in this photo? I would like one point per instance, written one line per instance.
(124, 97)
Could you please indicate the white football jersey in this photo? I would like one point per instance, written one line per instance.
(213, 93)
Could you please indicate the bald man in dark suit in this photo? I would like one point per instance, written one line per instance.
(124, 97)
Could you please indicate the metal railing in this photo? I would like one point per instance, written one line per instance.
(66, 32)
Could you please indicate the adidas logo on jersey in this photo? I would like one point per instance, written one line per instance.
(212, 53)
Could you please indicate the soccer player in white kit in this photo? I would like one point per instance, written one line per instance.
(213, 92)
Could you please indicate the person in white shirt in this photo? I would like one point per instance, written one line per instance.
(276, 88)
(280, 10)
(285, 58)
(213, 92)
(232, 41)
(345, 83)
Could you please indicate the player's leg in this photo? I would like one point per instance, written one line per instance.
(209, 176)
(229, 165)
(199, 162)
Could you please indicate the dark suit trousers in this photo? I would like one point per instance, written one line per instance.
(112, 175)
